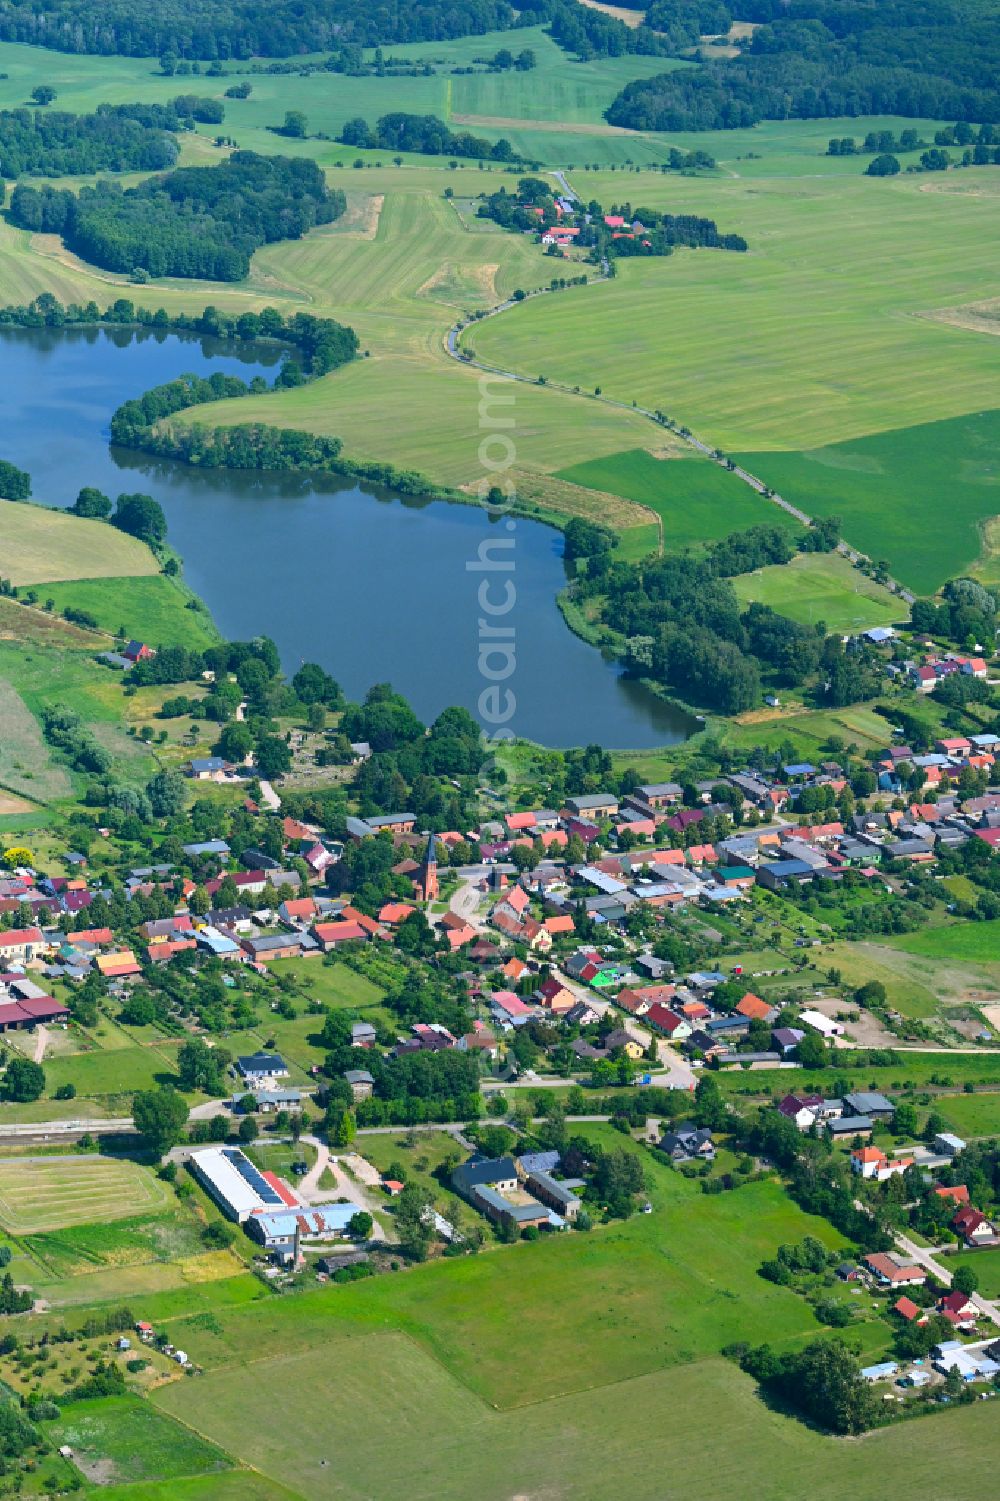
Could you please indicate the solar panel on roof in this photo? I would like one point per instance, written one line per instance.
(250, 1175)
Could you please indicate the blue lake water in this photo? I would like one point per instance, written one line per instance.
(373, 586)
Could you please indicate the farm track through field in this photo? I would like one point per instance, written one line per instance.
(453, 348)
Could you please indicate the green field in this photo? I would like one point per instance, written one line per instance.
(151, 609)
(366, 1408)
(824, 587)
(51, 1193)
(971, 1114)
(116, 1440)
(113, 1071)
(81, 1249)
(729, 344)
(888, 490)
(40, 545)
(42, 676)
(975, 943)
(696, 500)
(986, 1265)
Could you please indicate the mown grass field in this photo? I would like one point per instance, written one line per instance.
(41, 545)
(696, 500)
(976, 943)
(50, 1193)
(368, 1406)
(154, 610)
(798, 346)
(116, 1440)
(824, 587)
(116, 1071)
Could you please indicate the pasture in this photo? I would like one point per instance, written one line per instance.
(25, 766)
(896, 490)
(973, 943)
(116, 1440)
(354, 1402)
(696, 500)
(40, 545)
(971, 1114)
(838, 267)
(824, 587)
(51, 1193)
(154, 609)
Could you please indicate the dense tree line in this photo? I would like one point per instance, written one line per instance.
(223, 29)
(684, 627)
(55, 143)
(324, 345)
(201, 222)
(821, 1382)
(424, 133)
(817, 58)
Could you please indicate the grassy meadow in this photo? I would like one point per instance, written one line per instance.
(824, 587)
(154, 609)
(364, 1405)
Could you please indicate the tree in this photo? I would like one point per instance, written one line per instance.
(413, 1208)
(885, 165)
(43, 94)
(343, 1130)
(15, 484)
(248, 1129)
(24, 1080)
(965, 1279)
(812, 1051)
(360, 1225)
(160, 1116)
(141, 516)
(709, 1104)
(904, 1119)
(92, 503)
(272, 756)
(200, 1067)
(166, 793)
(295, 124)
(235, 742)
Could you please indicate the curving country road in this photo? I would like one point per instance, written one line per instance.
(452, 348)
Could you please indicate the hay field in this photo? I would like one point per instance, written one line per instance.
(39, 545)
(50, 1193)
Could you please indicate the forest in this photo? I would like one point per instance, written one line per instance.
(811, 59)
(423, 133)
(116, 138)
(682, 625)
(223, 29)
(194, 222)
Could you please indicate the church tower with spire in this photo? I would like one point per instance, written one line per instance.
(428, 878)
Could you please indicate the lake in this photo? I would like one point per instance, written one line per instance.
(374, 587)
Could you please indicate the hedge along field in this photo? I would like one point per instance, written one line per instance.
(813, 338)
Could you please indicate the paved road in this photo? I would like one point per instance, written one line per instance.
(924, 1256)
(753, 480)
(269, 796)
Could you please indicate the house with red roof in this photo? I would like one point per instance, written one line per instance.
(333, 935)
(754, 1009)
(958, 1193)
(973, 1226)
(667, 1023)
